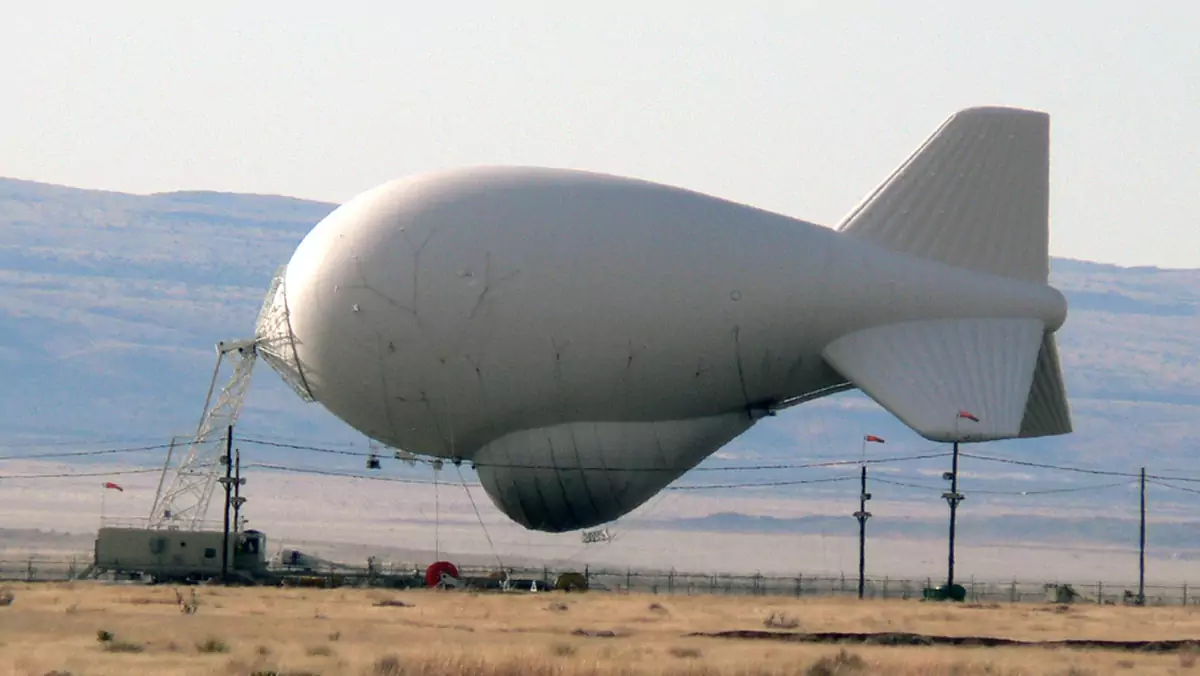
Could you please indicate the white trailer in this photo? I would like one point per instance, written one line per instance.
(179, 555)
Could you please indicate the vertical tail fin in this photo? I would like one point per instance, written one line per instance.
(975, 195)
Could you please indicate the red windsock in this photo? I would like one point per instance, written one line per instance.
(872, 437)
(109, 484)
(967, 415)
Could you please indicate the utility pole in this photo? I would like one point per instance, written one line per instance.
(953, 498)
(862, 515)
(238, 500)
(1141, 597)
(227, 481)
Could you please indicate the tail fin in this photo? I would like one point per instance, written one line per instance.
(975, 195)
(1047, 411)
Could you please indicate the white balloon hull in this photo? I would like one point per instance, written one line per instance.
(483, 310)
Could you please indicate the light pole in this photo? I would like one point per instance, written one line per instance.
(227, 482)
(237, 500)
(1141, 597)
(862, 515)
(954, 497)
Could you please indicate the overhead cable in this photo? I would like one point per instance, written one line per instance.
(1173, 487)
(1033, 491)
(1081, 470)
(75, 475)
(76, 454)
(798, 482)
(609, 468)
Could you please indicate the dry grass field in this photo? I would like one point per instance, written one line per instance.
(85, 628)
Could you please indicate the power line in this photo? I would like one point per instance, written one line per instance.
(767, 484)
(75, 475)
(75, 442)
(348, 475)
(1036, 491)
(1176, 470)
(608, 468)
(910, 485)
(739, 468)
(1048, 491)
(907, 484)
(1158, 479)
(313, 449)
(1167, 485)
(76, 454)
(827, 463)
(797, 482)
(1064, 468)
(1081, 470)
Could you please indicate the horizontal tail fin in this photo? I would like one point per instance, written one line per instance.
(975, 195)
(927, 373)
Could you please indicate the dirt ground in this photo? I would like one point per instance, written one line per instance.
(92, 628)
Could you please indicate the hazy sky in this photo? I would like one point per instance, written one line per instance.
(797, 107)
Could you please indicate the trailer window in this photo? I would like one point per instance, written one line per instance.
(210, 553)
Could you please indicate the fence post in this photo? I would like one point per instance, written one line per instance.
(1100, 592)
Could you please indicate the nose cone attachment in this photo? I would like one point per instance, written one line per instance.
(276, 343)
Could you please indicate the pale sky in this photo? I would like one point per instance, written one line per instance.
(797, 107)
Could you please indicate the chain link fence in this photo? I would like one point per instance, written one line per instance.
(37, 568)
(800, 585)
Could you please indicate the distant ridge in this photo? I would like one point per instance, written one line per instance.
(32, 185)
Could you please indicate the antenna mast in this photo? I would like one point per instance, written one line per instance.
(184, 502)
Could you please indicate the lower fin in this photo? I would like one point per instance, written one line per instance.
(1047, 411)
(937, 375)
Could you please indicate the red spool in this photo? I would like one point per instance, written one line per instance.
(433, 574)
